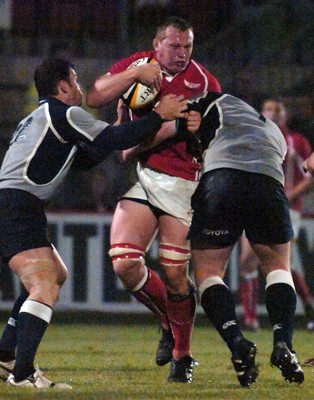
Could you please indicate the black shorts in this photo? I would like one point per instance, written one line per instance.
(23, 223)
(229, 201)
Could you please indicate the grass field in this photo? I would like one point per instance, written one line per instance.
(116, 362)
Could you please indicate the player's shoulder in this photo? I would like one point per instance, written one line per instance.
(77, 113)
(56, 108)
(62, 114)
(198, 69)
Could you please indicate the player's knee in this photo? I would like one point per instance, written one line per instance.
(279, 276)
(174, 261)
(209, 282)
(62, 274)
(171, 255)
(41, 279)
(125, 258)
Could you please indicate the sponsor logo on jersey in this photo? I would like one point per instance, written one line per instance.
(228, 324)
(215, 232)
(277, 327)
(191, 85)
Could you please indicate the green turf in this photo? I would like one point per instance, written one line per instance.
(109, 362)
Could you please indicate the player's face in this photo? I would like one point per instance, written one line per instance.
(274, 111)
(75, 92)
(173, 49)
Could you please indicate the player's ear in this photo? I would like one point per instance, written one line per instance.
(63, 86)
(155, 44)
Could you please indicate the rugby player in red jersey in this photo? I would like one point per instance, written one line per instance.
(167, 177)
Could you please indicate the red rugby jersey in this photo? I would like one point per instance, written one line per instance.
(172, 157)
(298, 149)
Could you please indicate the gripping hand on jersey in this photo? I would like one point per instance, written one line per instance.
(171, 107)
(189, 123)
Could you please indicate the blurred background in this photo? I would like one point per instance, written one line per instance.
(256, 49)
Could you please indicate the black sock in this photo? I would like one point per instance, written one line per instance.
(30, 331)
(8, 339)
(281, 304)
(218, 304)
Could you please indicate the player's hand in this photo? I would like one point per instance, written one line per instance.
(194, 121)
(308, 164)
(149, 75)
(122, 113)
(171, 107)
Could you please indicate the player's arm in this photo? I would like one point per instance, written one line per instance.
(110, 87)
(130, 133)
(167, 130)
(192, 121)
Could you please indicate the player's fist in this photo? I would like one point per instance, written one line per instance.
(149, 73)
(171, 107)
(193, 121)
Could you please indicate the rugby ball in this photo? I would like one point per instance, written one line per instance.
(139, 95)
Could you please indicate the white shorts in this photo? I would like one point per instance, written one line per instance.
(296, 219)
(167, 193)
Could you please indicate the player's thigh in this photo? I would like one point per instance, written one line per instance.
(273, 256)
(174, 251)
(210, 262)
(248, 259)
(220, 207)
(133, 222)
(172, 230)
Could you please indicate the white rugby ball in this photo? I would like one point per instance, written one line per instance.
(139, 95)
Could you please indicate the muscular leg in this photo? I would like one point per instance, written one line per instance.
(181, 301)
(280, 292)
(8, 339)
(218, 304)
(132, 229)
(215, 297)
(280, 304)
(42, 273)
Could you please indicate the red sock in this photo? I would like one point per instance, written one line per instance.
(153, 295)
(301, 287)
(181, 312)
